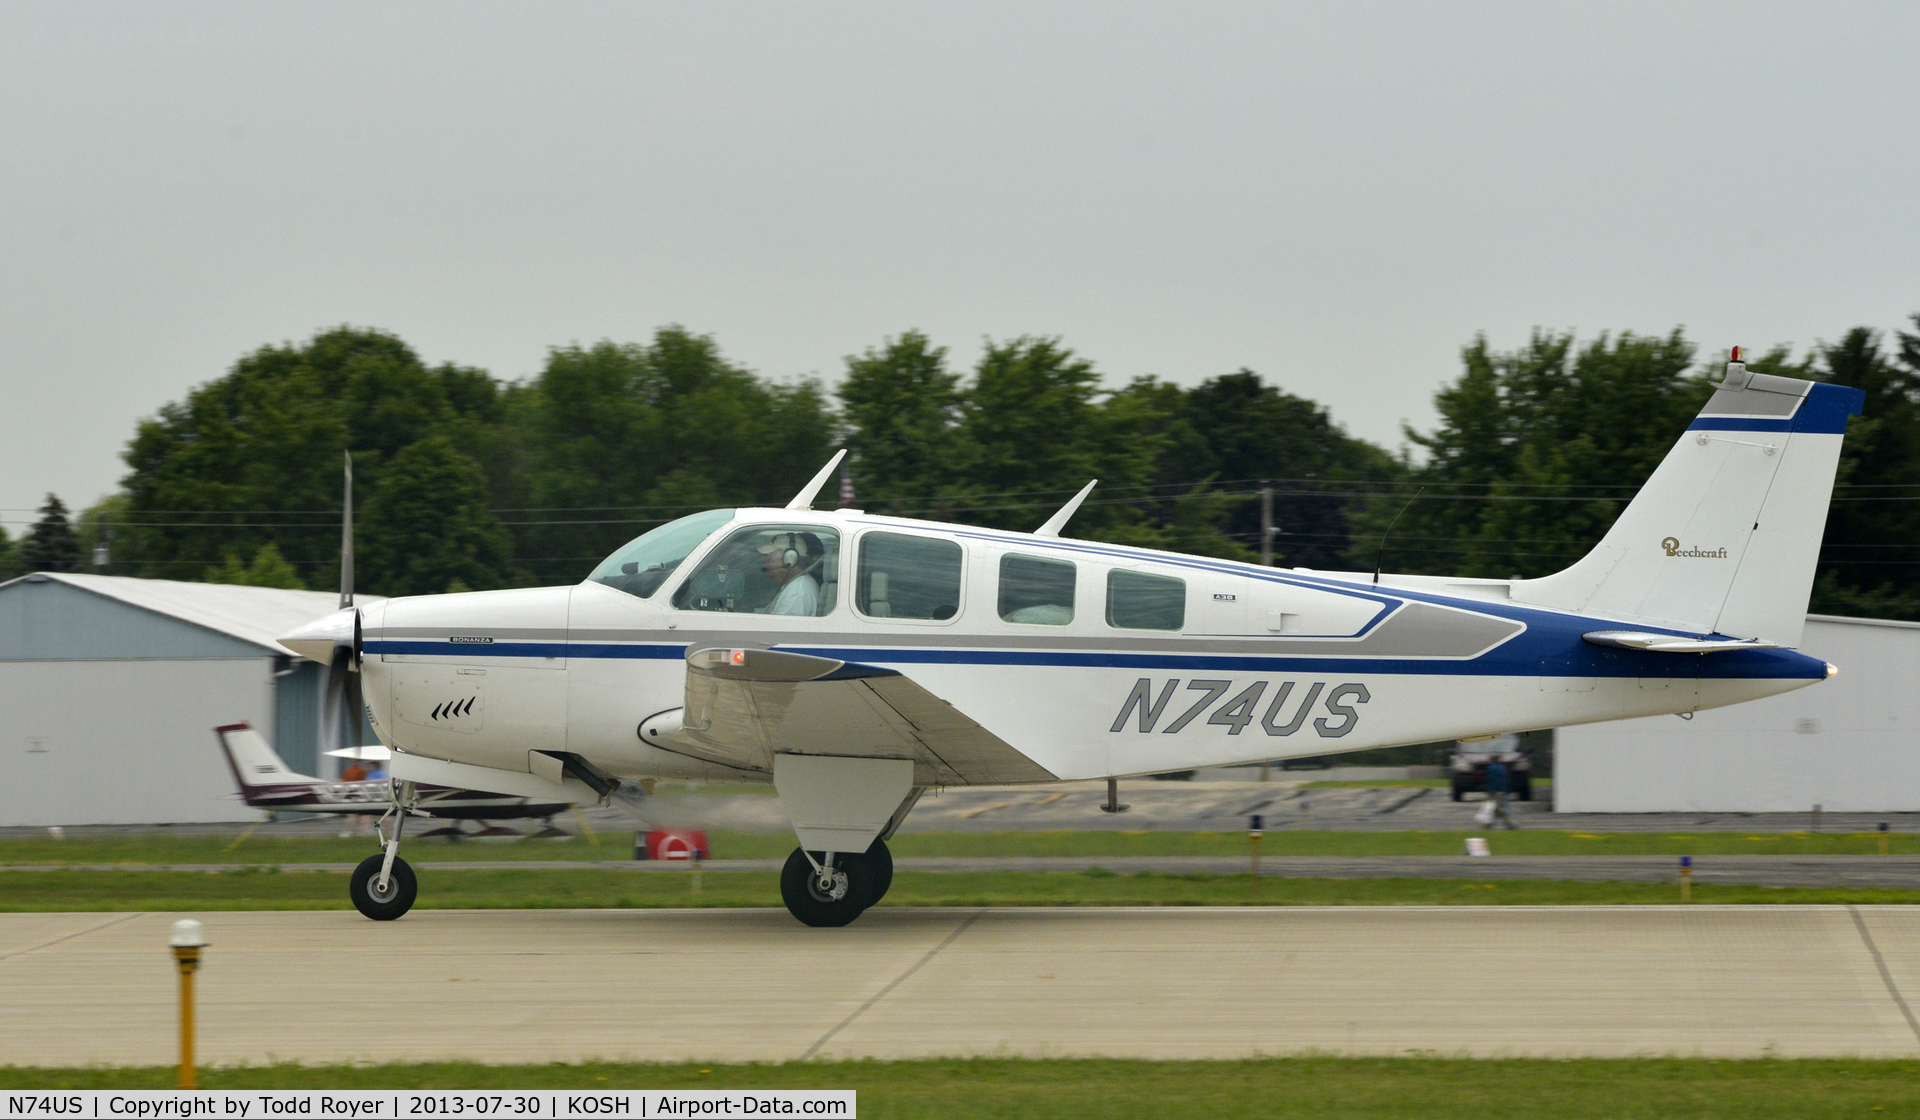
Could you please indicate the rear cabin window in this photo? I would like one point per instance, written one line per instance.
(1036, 591)
(908, 577)
(1138, 601)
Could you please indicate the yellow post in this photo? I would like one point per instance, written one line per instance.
(585, 827)
(1253, 840)
(1883, 838)
(186, 943)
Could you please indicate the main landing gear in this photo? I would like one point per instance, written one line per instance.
(383, 887)
(834, 888)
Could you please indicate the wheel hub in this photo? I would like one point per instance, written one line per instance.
(831, 891)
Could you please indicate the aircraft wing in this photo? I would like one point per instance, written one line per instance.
(743, 705)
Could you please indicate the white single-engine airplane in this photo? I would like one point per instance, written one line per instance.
(857, 661)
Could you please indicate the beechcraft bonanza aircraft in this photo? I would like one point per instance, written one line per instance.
(856, 662)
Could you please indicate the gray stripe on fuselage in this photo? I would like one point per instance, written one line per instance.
(1414, 630)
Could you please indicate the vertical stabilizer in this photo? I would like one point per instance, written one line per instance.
(256, 766)
(1724, 537)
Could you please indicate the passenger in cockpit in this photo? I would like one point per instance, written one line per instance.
(789, 560)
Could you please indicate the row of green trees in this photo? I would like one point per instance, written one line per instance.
(467, 482)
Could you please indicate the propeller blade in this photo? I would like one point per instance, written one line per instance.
(334, 701)
(346, 551)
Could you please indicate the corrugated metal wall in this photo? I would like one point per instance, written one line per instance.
(125, 742)
(296, 717)
(48, 620)
(107, 711)
(1849, 744)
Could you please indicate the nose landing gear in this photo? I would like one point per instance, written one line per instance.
(827, 889)
(383, 886)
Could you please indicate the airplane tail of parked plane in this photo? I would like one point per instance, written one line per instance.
(1724, 537)
(256, 765)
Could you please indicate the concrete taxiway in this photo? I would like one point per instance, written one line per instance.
(524, 986)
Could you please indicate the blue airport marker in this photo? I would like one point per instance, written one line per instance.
(1686, 878)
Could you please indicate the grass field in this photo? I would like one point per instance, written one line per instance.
(152, 848)
(1428, 1088)
(269, 889)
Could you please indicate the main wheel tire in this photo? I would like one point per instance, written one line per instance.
(845, 901)
(1459, 791)
(880, 870)
(1523, 789)
(383, 906)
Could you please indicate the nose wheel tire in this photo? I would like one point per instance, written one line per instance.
(834, 904)
(382, 905)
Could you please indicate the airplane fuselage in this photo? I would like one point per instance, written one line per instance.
(1224, 663)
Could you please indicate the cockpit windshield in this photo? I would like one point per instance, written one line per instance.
(645, 562)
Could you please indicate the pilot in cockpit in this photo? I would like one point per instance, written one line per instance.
(789, 560)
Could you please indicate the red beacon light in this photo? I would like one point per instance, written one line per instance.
(737, 656)
(1736, 355)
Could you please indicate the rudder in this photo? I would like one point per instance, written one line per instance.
(1724, 537)
(256, 765)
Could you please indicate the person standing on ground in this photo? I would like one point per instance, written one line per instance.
(1497, 793)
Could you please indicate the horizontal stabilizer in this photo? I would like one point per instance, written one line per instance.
(1672, 643)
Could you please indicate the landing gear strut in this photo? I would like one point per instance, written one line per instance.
(383, 887)
(834, 888)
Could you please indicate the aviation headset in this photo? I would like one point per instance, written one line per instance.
(791, 548)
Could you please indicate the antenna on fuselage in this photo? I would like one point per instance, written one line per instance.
(1059, 520)
(804, 499)
(1382, 554)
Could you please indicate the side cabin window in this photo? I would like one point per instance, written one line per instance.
(1140, 601)
(767, 569)
(902, 576)
(1036, 591)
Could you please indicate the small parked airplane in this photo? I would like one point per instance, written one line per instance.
(857, 661)
(267, 783)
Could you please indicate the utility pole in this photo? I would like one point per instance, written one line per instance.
(1266, 524)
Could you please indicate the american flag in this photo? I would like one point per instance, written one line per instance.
(846, 486)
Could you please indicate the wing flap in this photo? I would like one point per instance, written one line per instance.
(743, 705)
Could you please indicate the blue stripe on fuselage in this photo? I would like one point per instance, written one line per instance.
(1535, 654)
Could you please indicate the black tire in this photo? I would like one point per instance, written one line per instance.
(1459, 790)
(1523, 789)
(401, 889)
(800, 889)
(880, 869)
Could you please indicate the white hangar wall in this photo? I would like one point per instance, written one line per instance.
(127, 742)
(1847, 744)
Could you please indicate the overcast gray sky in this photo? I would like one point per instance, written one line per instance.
(1337, 195)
